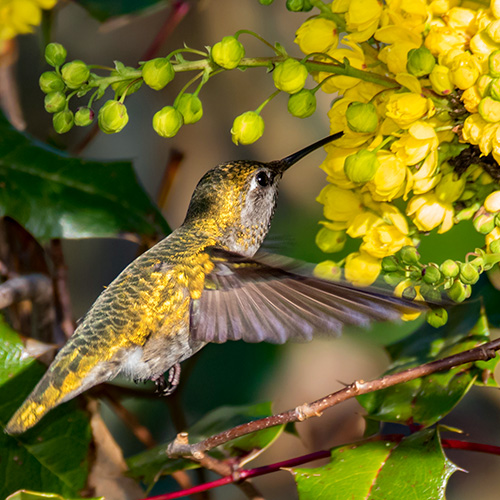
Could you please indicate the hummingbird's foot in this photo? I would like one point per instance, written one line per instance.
(167, 387)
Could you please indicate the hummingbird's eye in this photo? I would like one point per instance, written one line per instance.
(263, 179)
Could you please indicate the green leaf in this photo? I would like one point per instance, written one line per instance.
(54, 195)
(151, 464)
(416, 467)
(428, 399)
(35, 495)
(53, 455)
(102, 10)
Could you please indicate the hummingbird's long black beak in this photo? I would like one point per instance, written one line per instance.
(287, 162)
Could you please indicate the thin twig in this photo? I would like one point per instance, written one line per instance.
(180, 447)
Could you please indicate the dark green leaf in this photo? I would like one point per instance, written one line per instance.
(56, 196)
(429, 399)
(53, 455)
(104, 9)
(414, 468)
(150, 465)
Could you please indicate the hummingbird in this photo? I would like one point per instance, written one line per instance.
(203, 283)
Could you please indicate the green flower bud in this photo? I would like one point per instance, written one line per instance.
(330, 241)
(266, 2)
(190, 107)
(429, 293)
(55, 54)
(449, 268)
(167, 121)
(362, 117)
(409, 255)
(494, 64)
(393, 279)
(63, 121)
(75, 74)
(431, 275)
(437, 317)
(247, 128)
(497, 219)
(489, 109)
(50, 81)
(112, 117)
(290, 76)
(361, 166)
(390, 264)
(420, 62)
(55, 101)
(228, 52)
(157, 73)
(409, 293)
(299, 5)
(84, 116)
(495, 246)
(494, 89)
(457, 292)
(468, 274)
(484, 223)
(302, 104)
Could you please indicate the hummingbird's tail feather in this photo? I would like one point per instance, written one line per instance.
(60, 383)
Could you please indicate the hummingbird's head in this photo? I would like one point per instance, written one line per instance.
(235, 201)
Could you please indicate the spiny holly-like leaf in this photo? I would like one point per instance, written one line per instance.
(429, 399)
(150, 465)
(35, 495)
(414, 468)
(54, 195)
(102, 10)
(53, 455)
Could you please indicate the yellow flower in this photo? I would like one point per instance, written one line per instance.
(440, 7)
(464, 70)
(459, 18)
(362, 19)
(384, 240)
(425, 178)
(416, 144)
(473, 129)
(389, 180)
(340, 205)
(333, 165)
(391, 214)
(317, 35)
(361, 269)
(407, 107)
(20, 16)
(492, 202)
(440, 40)
(471, 99)
(362, 223)
(482, 44)
(427, 213)
(356, 58)
(441, 80)
(410, 14)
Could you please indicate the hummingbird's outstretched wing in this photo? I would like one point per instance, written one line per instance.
(270, 300)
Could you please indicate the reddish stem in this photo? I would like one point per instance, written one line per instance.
(455, 444)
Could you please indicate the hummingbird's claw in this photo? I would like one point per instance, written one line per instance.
(167, 387)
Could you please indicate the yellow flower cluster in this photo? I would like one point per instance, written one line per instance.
(444, 60)
(20, 16)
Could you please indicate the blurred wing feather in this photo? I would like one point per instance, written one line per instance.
(259, 300)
